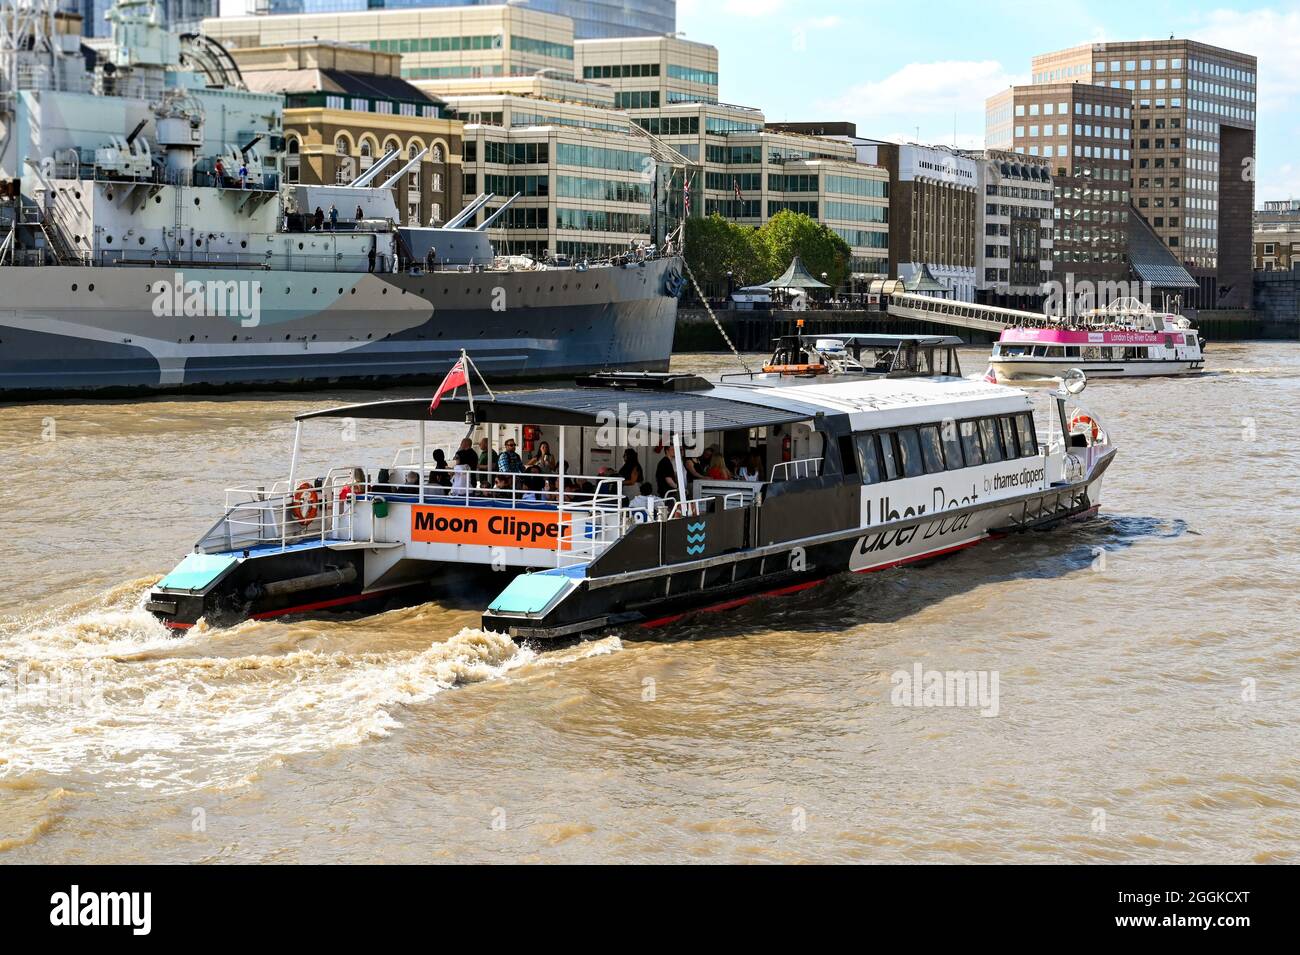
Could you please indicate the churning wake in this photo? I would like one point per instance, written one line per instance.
(100, 691)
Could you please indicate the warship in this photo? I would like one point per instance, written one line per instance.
(147, 242)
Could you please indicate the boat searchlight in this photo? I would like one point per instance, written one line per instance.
(1074, 381)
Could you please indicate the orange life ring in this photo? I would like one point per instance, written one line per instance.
(1083, 422)
(305, 505)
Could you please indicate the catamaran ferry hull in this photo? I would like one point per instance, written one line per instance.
(73, 330)
(1038, 370)
(664, 595)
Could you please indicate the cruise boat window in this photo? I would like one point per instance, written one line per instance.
(992, 440)
(1028, 439)
(909, 449)
(848, 457)
(970, 443)
(869, 462)
(1071, 351)
(951, 446)
(1009, 438)
(931, 449)
(889, 457)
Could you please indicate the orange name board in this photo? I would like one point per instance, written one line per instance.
(485, 526)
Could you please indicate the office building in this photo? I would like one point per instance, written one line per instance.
(435, 43)
(933, 210)
(1015, 232)
(1193, 148)
(1085, 134)
(648, 72)
(591, 18)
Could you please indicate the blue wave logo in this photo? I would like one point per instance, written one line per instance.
(695, 537)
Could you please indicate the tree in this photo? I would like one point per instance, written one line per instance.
(716, 246)
(788, 234)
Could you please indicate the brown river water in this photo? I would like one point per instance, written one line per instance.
(1147, 667)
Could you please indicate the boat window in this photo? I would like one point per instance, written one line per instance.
(909, 449)
(889, 457)
(931, 449)
(970, 443)
(1028, 439)
(848, 459)
(869, 462)
(952, 455)
(1040, 351)
(1015, 351)
(1009, 438)
(1092, 353)
(1071, 351)
(992, 440)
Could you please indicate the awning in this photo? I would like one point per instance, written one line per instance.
(797, 278)
(661, 411)
(1151, 259)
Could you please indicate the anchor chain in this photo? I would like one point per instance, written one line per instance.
(721, 331)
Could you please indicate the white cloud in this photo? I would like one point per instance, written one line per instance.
(926, 89)
(924, 99)
(1271, 35)
(753, 8)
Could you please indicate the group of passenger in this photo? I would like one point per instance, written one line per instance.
(709, 465)
(477, 470)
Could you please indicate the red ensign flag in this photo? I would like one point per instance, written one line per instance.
(455, 378)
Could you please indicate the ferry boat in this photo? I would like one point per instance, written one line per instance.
(1126, 339)
(132, 259)
(790, 480)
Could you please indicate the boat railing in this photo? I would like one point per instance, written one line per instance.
(796, 470)
(589, 524)
(690, 508)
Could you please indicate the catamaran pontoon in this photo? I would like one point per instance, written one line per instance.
(801, 479)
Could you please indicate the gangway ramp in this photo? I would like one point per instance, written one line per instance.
(942, 311)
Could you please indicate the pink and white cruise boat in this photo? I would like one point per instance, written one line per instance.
(1124, 340)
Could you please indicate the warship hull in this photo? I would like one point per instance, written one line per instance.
(109, 330)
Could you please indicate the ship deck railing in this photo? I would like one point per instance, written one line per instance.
(276, 515)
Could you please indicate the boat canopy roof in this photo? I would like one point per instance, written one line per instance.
(714, 409)
(883, 341)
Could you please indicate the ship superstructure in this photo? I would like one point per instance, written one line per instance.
(147, 240)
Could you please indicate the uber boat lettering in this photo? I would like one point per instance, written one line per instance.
(470, 525)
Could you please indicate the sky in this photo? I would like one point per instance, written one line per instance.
(921, 71)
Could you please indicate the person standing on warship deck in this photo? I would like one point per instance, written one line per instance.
(334, 218)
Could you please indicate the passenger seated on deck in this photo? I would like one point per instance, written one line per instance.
(356, 486)
(412, 480)
(646, 503)
(460, 479)
(717, 469)
(382, 479)
(698, 468)
(631, 472)
(440, 476)
(543, 459)
(751, 470)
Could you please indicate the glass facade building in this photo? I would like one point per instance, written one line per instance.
(592, 19)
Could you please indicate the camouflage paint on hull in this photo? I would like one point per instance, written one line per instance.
(76, 329)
